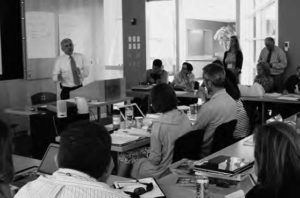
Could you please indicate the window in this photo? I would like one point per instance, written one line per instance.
(160, 32)
(183, 30)
(259, 19)
(199, 43)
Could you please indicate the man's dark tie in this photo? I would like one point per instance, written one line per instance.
(269, 56)
(75, 71)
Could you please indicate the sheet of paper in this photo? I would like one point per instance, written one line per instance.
(291, 98)
(75, 27)
(119, 138)
(40, 35)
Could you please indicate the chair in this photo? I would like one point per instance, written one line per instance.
(196, 85)
(188, 146)
(43, 98)
(223, 136)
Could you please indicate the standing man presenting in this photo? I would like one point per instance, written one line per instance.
(276, 59)
(70, 69)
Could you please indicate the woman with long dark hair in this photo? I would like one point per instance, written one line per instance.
(233, 58)
(277, 157)
(165, 130)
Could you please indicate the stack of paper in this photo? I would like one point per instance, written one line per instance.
(289, 97)
(272, 95)
(119, 138)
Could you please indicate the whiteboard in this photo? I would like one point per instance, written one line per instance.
(40, 33)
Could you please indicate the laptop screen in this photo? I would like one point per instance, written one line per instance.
(136, 110)
(48, 164)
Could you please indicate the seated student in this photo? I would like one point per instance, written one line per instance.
(171, 125)
(221, 107)
(185, 79)
(277, 159)
(292, 84)
(242, 128)
(157, 74)
(263, 77)
(84, 162)
(6, 164)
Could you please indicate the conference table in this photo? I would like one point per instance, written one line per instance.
(239, 149)
(182, 94)
(168, 183)
(269, 98)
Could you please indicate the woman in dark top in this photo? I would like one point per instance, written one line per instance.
(277, 158)
(233, 58)
(6, 165)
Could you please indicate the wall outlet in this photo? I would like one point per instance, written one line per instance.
(286, 46)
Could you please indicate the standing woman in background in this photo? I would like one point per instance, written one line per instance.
(233, 58)
(6, 164)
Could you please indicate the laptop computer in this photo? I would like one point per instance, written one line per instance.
(137, 112)
(47, 166)
(222, 164)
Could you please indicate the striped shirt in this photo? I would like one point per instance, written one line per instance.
(68, 183)
(242, 128)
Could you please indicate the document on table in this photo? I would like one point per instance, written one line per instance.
(119, 138)
(134, 132)
(273, 95)
(291, 97)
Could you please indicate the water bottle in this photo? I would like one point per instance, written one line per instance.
(116, 119)
(129, 116)
(201, 186)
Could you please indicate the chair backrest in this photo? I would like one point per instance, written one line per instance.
(196, 85)
(43, 98)
(223, 136)
(188, 146)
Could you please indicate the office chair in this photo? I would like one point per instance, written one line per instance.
(188, 146)
(43, 98)
(223, 136)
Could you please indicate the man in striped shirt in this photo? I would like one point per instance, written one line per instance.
(85, 164)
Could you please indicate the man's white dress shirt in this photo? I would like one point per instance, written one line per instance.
(68, 183)
(63, 68)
